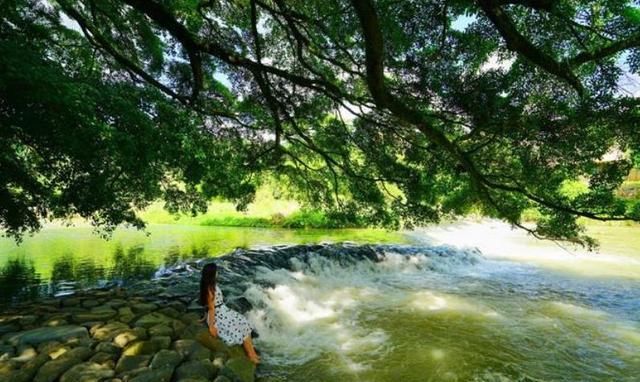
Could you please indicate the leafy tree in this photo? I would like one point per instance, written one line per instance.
(376, 111)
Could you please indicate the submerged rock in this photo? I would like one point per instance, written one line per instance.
(87, 372)
(131, 362)
(53, 369)
(45, 334)
(166, 359)
(153, 375)
(196, 369)
(239, 369)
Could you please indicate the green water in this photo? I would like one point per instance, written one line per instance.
(55, 247)
(526, 311)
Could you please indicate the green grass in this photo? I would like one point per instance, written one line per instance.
(265, 212)
(296, 220)
(259, 213)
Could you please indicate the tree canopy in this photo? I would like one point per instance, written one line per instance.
(388, 112)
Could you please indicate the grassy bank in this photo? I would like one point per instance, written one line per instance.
(265, 212)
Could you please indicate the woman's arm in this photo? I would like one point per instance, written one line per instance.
(212, 313)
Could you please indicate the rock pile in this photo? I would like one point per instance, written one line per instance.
(149, 332)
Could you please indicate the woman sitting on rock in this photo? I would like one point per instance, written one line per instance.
(232, 327)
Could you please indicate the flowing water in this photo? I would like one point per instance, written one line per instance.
(466, 302)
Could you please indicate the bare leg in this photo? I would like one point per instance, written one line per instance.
(250, 350)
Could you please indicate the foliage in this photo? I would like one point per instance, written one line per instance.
(375, 112)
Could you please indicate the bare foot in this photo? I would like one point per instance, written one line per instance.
(255, 359)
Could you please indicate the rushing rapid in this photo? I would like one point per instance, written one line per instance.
(430, 313)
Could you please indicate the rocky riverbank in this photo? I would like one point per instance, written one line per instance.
(148, 332)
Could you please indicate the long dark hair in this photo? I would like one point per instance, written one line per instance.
(207, 281)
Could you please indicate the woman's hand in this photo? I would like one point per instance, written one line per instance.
(213, 330)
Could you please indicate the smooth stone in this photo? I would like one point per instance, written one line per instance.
(103, 358)
(57, 351)
(25, 353)
(191, 350)
(44, 334)
(52, 370)
(126, 337)
(28, 320)
(90, 303)
(166, 359)
(71, 301)
(219, 359)
(160, 330)
(144, 307)
(211, 343)
(196, 369)
(131, 362)
(108, 331)
(152, 319)
(192, 318)
(7, 351)
(240, 369)
(87, 372)
(162, 342)
(116, 303)
(178, 328)
(154, 375)
(96, 314)
(107, 347)
(29, 370)
(193, 331)
(56, 321)
(125, 314)
(9, 328)
(142, 348)
(177, 305)
(168, 311)
(6, 369)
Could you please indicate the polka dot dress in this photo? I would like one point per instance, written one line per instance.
(232, 326)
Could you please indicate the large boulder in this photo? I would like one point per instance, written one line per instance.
(154, 375)
(131, 362)
(129, 336)
(239, 369)
(152, 319)
(87, 372)
(191, 350)
(166, 359)
(142, 348)
(107, 332)
(160, 330)
(53, 369)
(46, 334)
(28, 370)
(196, 369)
(101, 313)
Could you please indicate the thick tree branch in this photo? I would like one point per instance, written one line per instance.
(374, 55)
(163, 17)
(605, 51)
(518, 43)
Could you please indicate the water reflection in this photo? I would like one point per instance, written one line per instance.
(175, 256)
(68, 273)
(18, 280)
(131, 265)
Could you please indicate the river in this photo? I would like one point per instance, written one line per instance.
(461, 302)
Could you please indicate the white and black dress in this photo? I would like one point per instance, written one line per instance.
(232, 326)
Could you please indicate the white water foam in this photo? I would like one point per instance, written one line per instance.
(313, 308)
